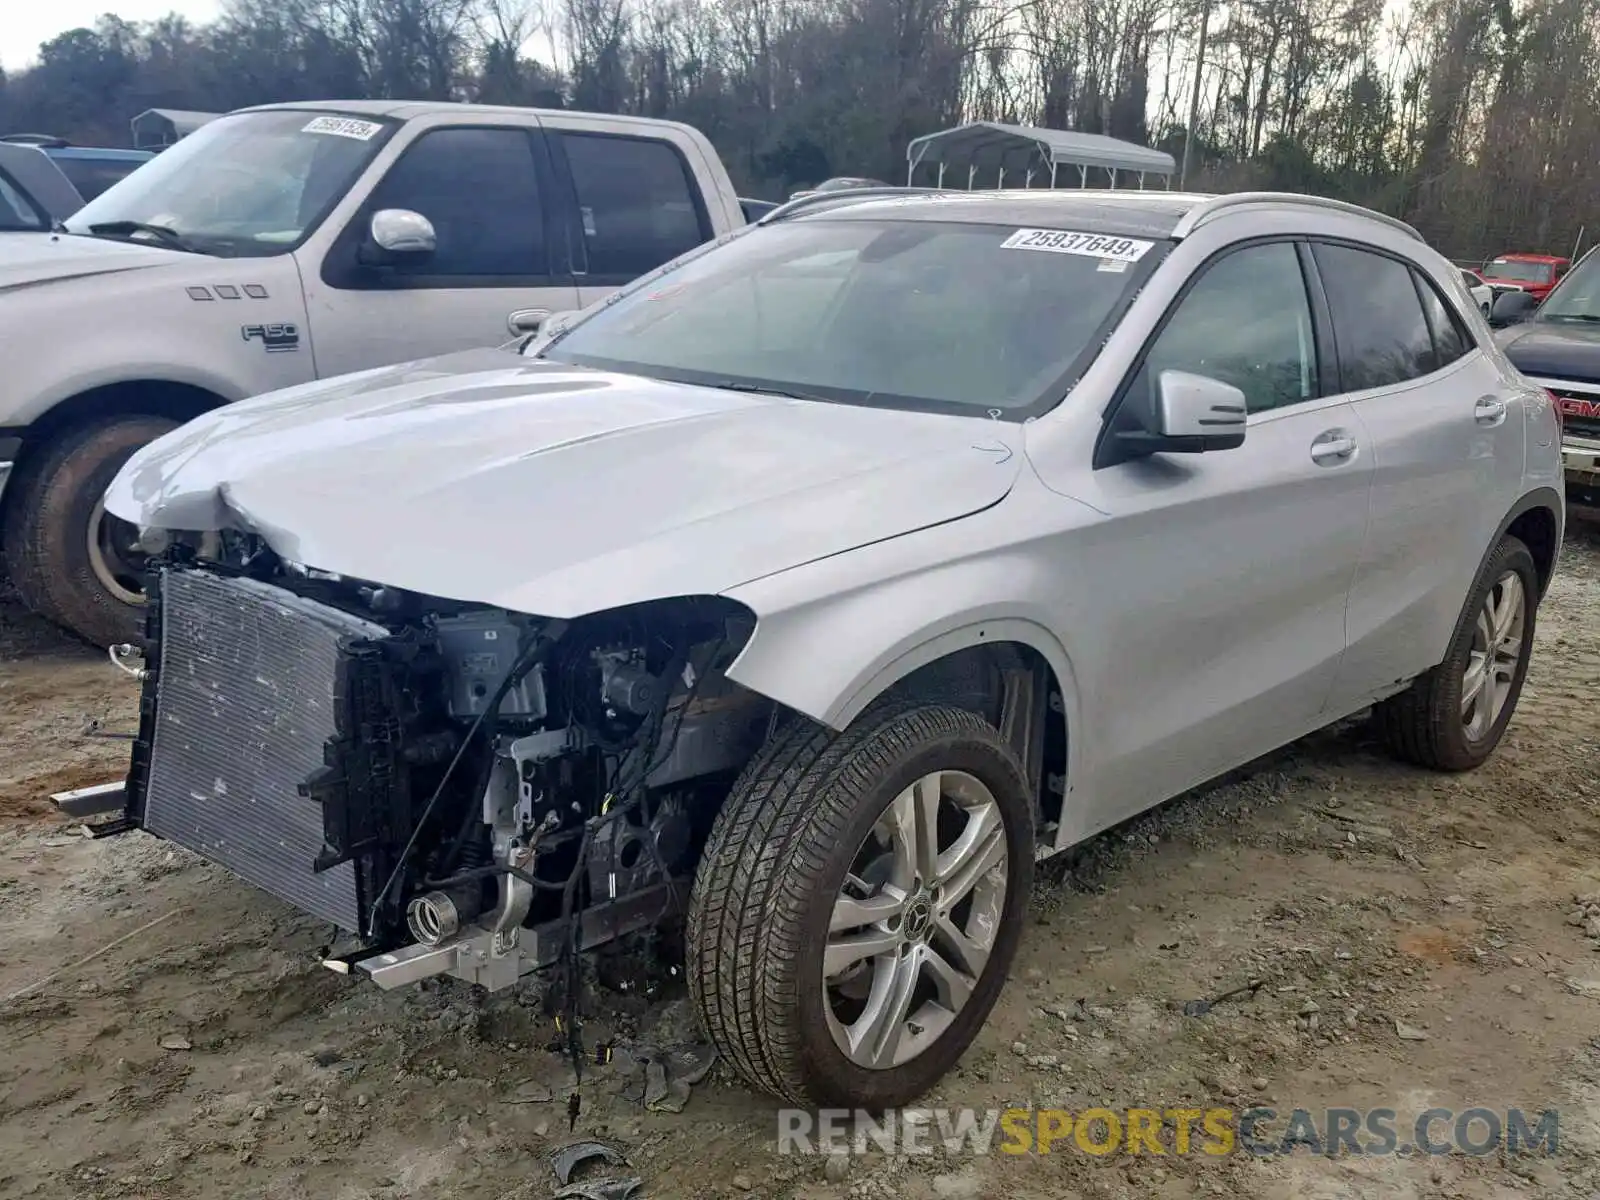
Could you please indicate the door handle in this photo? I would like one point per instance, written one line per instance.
(1490, 410)
(1334, 447)
(526, 320)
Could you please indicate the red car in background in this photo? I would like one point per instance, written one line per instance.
(1535, 274)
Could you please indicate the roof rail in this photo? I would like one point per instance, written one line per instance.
(1219, 205)
(35, 139)
(841, 199)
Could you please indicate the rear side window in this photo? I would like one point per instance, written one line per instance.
(16, 212)
(91, 176)
(1378, 322)
(636, 202)
(1450, 340)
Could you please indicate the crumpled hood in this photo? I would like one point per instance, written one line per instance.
(558, 490)
(31, 259)
(1554, 349)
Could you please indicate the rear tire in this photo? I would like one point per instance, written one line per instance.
(785, 863)
(1447, 720)
(51, 518)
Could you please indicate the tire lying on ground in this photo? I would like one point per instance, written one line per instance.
(859, 904)
(1453, 717)
(60, 545)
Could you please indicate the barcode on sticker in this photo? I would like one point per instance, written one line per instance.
(1090, 245)
(348, 127)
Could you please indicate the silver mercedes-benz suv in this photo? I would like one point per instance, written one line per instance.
(822, 581)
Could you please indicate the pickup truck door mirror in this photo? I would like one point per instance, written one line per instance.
(545, 329)
(397, 234)
(1511, 308)
(1191, 414)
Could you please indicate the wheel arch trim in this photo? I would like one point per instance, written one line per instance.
(1541, 497)
(771, 666)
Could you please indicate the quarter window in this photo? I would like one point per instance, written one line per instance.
(636, 202)
(15, 210)
(480, 190)
(1246, 322)
(1450, 340)
(1378, 321)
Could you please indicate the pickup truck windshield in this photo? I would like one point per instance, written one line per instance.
(1577, 297)
(909, 314)
(1523, 272)
(246, 185)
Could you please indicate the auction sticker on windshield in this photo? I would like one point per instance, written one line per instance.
(348, 127)
(1090, 245)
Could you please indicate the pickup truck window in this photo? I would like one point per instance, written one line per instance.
(635, 200)
(480, 189)
(248, 185)
(1525, 272)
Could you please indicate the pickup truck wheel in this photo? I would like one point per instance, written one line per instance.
(70, 560)
(1453, 717)
(859, 904)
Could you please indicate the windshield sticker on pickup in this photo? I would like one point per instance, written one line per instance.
(1089, 245)
(347, 127)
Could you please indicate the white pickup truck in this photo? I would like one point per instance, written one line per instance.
(285, 243)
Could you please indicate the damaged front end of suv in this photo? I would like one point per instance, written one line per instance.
(470, 791)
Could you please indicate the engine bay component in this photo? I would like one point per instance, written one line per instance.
(487, 793)
(436, 917)
(479, 650)
(626, 685)
(204, 765)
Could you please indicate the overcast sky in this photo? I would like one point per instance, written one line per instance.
(26, 23)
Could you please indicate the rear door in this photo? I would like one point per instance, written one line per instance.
(499, 223)
(1447, 444)
(635, 202)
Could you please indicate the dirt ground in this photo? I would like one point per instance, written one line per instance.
(202, 1052)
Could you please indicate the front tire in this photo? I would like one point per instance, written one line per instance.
(860, 902)
(68, 558)
(1453, 717)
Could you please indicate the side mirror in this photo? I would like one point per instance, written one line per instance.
(397, 234)
(1192, 414)
(1511, 308)
(551, 326)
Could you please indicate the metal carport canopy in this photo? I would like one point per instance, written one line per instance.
(1024, 147)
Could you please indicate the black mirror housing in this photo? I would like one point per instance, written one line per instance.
(1511, 308)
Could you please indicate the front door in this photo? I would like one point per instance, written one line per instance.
(1224, 575)
(487, 192)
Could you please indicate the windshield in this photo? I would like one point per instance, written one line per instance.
(247, 185)
(913, 314)
(1523, 272)
(1577, 297)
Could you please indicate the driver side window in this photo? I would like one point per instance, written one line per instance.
(480, 190)
(1247, 322)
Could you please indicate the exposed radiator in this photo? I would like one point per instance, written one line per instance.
(245, 702)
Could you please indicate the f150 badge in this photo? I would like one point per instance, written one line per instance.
(274, 338)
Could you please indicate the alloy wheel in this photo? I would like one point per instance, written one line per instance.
(914, 924)
(1493, 658)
